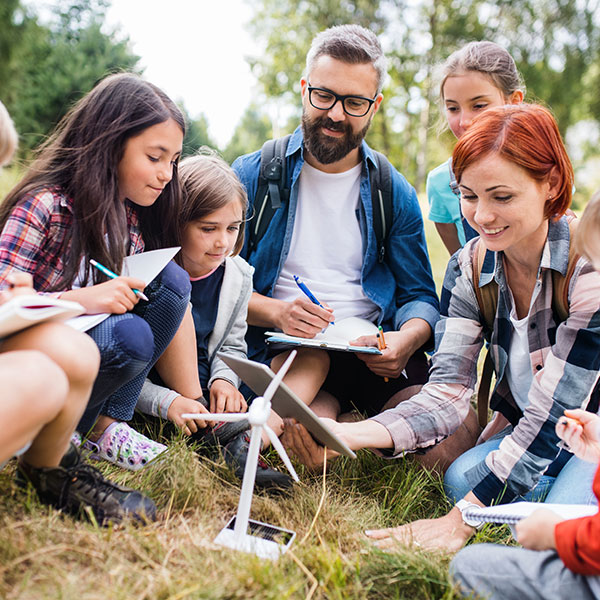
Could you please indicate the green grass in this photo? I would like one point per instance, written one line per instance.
(44, 554)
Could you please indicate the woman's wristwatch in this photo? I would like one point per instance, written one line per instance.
(462, 505)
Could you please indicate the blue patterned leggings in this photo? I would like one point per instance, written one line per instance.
(130, 344)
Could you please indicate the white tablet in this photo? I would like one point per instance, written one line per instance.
(284, 402)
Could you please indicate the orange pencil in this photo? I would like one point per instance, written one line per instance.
(381, 345)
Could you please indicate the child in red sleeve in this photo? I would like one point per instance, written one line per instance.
(560, 558)
(577, 541)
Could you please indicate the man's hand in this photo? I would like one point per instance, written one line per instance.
(394, 358)
(536, 532)
(182, 405)
(296, 439)
(225, 397)
(580, 429)
(448, 533)
(303, 318)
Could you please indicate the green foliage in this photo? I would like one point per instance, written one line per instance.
(556, 44)
(251, 133)
(196, 134)
(53, 65)
(289, 26)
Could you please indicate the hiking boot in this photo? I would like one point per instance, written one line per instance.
(220, 435)
(74, 486)
(236, 453)
(124, 447)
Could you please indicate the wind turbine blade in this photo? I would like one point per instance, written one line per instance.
(281, 451)
(279, 376)
(216, 416)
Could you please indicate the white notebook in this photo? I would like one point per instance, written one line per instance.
(21, 312)
(336, 337)
(145, 266)
(514, 512)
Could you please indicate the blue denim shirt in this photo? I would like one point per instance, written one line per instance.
(402, 286)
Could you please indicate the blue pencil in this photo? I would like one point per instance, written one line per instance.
(308, 293)
(112, 275)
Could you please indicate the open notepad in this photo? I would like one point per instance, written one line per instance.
(21, 312)
(145, 266)
(335, 337)
(512, 513)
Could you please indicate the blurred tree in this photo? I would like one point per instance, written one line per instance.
(11, 25)
(251, 133)
(556, 44)
(54, 64)
(196, 134)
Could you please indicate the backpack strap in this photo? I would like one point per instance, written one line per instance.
(560, 284)
(470, 233)
(453, 182)
(487, 298)
(381, 201)
(272, 181)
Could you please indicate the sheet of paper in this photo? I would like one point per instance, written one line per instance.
(346, 330)
(145, 266)
(342, 332)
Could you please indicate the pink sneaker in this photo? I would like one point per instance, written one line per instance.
(124, 446)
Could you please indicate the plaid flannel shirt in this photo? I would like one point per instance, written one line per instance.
(565, 359)
(36, 236)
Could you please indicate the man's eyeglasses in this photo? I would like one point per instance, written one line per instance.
(324, 99)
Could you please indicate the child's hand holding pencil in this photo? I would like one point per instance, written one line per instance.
(580, 430)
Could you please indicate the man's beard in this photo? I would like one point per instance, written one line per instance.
(327, 149)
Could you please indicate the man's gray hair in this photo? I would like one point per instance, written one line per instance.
(350, 44)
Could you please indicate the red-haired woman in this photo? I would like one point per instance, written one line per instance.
(516, 182)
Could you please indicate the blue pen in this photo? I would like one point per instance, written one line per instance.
(308, 293)
(112, 275)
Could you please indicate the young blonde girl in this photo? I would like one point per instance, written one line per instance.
(103, 187)
(212, 224)
(479, 76)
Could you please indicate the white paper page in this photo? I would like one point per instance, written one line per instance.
(347, 330)
(342, 333)
(145, 266)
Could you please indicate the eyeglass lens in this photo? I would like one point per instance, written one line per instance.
(354, 105)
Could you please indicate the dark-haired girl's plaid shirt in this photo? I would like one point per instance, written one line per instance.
(37, 235)
(565, 361)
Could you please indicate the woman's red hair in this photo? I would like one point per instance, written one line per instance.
(527, 135)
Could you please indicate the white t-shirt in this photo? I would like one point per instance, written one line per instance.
(518, 365)
(326, 250)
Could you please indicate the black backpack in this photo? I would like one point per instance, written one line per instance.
(272, 182)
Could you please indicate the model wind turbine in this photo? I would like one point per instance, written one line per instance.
(266, 541)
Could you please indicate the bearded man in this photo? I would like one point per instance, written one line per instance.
(324, 234)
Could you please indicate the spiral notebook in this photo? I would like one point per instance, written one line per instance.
(514, 512)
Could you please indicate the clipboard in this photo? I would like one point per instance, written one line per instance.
(285, 403)
(291, 341)
(336, 337)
